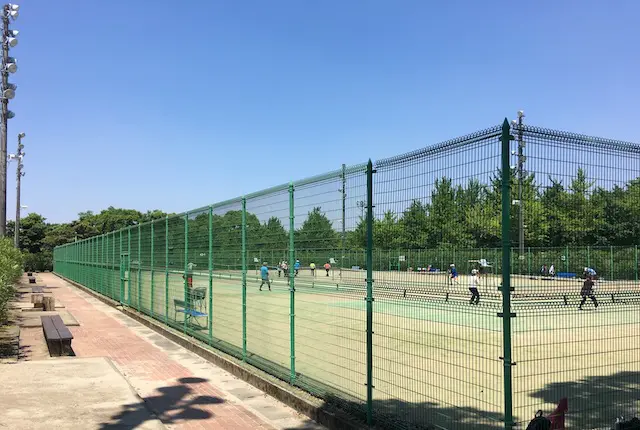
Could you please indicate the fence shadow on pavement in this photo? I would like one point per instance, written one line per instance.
(172, 405)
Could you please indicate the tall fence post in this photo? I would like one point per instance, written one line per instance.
(506, 275)
(139, 266)
(166, 269)
(344, 217)
(128, 267)
(153, 256)
(369, 293)
(101, 270)
(210, 274)
(292, 289)
(121, 272)
(187, 298)
(244, 279)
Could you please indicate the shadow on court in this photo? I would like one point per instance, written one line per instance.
(596, 401)
(415, 416)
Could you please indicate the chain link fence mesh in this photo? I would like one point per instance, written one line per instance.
(288, 280)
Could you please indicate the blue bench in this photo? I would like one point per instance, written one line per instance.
(191, 315)
(565, 275)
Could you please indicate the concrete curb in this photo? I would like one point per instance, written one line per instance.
(297, 399)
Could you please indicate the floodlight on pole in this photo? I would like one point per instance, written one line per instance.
(8, 94)
(11, 11)
(10, 65)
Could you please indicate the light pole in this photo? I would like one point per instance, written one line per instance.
(9, 11)
(521, 160)
(19, 174)
(361, 204)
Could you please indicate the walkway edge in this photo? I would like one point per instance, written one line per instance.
(297, 399)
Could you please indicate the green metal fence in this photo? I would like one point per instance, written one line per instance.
(360, 306)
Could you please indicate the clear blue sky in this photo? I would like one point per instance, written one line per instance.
(148, 104)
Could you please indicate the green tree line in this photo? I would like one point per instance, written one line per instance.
(38, 238)
(577, 213)
(574, 213)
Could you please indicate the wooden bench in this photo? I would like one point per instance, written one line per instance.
(37, 290)
(57, 334)
(189, 314)
(32, 279)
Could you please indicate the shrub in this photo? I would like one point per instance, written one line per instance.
(38, 262)
(10, 271)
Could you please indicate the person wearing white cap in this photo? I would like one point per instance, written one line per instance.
(453, 274)
(474, 282)
(590, 273)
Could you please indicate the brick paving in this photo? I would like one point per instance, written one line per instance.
(181, 397)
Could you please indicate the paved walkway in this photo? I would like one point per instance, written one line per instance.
(184, 390)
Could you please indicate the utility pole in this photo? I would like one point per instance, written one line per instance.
(19, 174)
(8, 92)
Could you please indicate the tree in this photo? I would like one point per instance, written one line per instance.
(387, 232)
(56, 235)
(317, 233)
(446, 215)
(274, 235)
(415, 225)
(33, 230)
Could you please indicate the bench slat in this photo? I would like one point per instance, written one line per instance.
(63, 330)
(50, 331)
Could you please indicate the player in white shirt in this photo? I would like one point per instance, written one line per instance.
(474, 283)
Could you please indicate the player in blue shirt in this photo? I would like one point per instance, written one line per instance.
(297, 267)
(453, 274)
(453, 277)
(264, 274)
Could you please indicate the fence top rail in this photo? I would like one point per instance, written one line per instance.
(458, 142)
(579, 139)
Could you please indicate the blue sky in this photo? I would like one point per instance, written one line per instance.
(148, 104)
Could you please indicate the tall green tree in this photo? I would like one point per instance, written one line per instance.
(274, 236)
(317, 233)
(387, 232)
(446, 213)
(415, 226)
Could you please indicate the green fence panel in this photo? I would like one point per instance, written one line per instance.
(404, 291)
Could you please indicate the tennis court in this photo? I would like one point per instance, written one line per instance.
(427, 351)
